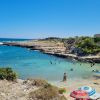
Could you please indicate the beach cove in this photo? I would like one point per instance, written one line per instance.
(38, 65)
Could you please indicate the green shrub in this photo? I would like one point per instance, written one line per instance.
(62, 90)
(47, 85)
(88, 46)
(97, 39)
(8, 74)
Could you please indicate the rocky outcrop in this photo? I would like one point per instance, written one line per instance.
(44, 46)
(53, 48)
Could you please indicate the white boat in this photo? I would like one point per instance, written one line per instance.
(1, 43)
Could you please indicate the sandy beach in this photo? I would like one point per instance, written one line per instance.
(72, 85)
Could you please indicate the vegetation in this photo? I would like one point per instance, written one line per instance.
(8, 74)
(97, 39)
(47, 92)
(62, 90)
(88, 46)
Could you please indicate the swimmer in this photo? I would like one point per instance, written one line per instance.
(71, 69)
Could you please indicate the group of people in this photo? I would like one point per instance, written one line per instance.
(65, 75)
(92, 64)
(51, 62)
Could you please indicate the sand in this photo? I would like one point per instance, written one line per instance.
(19, 91)
(72, 85)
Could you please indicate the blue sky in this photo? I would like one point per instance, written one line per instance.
(45, 18)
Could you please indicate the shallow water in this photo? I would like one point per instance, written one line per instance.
(38, 65)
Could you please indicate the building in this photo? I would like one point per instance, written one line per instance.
(97, 36)
(97, 39)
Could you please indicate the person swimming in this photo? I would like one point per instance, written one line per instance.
(51, 62)
(71, 69)
(95, 70)
(92, 64)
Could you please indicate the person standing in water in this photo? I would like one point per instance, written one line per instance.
(50, 62)
(64, 77)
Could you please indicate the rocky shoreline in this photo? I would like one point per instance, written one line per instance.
(52, 48)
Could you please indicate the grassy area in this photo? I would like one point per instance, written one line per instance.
(8, 74)
(48, 92)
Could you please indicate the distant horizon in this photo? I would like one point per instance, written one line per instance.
(47, 37)
(44, 36)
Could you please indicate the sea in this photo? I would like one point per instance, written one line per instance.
(34, 64)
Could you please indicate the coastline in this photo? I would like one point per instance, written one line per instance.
(69, 85)
(56, 50)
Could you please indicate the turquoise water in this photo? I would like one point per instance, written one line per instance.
(35, 64)
(11, 39)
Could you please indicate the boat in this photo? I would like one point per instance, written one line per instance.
(1, 43)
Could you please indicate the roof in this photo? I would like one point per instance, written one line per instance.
(97, 35)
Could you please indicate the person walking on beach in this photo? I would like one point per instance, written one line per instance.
(64, 77)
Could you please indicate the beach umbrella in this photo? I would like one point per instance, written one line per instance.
(91, 92)
(88, 89)
(79, 94)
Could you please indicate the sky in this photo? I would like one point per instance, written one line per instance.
(49, 18)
